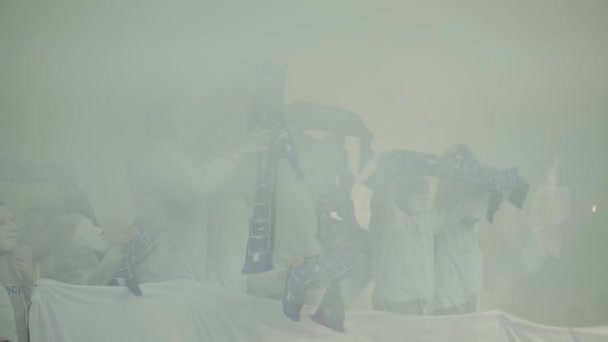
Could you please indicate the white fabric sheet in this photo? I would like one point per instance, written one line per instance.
(186, 311)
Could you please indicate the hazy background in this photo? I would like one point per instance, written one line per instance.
(520, 81)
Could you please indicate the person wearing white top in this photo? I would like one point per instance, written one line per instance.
(460, 207)
(401, 242)
(8, 328)
(458, 257)
(169, 194)
(81, 253)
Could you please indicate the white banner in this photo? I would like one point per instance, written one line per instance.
(185, 311)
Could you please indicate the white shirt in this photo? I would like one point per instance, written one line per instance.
(8, 328)
(458, 257)
(170, 194)
(404, 258)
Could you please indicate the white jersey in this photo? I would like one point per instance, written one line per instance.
(458, 256)
(169, 195)
(8, 327)
(404, 257)
(458, 267)
(228, 228)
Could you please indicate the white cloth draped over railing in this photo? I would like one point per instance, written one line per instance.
(186, 311)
